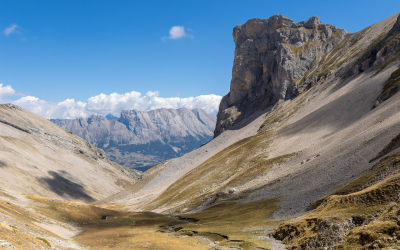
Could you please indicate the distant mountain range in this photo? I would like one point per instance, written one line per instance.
(142, 139)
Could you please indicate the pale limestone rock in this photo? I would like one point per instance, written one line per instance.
(271, 57)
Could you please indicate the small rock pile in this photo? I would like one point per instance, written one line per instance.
(6, 244)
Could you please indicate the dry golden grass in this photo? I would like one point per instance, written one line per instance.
(387, 166)
(233, 223)
(66, 211)
(123, 230)
(231, 167)
(142, 235)
(372, 213)
(19, 239)
(15, 234)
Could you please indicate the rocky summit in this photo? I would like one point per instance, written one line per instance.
(271, 59)
(142, 139)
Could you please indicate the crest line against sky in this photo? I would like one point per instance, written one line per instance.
(59, 57)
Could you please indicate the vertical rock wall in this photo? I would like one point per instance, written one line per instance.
(271, 57)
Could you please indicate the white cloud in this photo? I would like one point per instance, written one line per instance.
(7, 91)
(13, 28)
(114, 103)
(177, 32)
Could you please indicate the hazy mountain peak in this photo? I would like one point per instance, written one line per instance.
(145, 138)
(111, 117)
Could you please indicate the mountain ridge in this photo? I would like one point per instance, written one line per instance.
(142, 139)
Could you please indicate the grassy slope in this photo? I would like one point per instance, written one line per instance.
(368, 215)
(232, 167)
(231, 224)
(18, 234)
(123, 230)
(240, 223)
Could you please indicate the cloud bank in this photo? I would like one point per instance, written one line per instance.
(7, 91)
(111, 104)
(13, 28)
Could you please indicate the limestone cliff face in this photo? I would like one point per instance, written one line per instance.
(396, 26)
(271, 58)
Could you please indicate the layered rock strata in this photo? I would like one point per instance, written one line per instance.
(271, 58)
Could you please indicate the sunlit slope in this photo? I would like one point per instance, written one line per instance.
(39, 158)
(361, 215)
(297, 160)
(299, 150)
(24, 226)
(35, 222)
(158, 179)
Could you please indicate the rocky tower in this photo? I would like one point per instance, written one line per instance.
(271, 58)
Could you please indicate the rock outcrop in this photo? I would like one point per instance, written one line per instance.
(271, 58)
(396, 26)
(142, 139)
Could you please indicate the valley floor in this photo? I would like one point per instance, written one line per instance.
(365, 214)
(34, 222)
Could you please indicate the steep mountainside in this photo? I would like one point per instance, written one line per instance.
(307, 138)
(40, 158)
(306, 156)
(143, 139)
(276, 60)
(271, 58)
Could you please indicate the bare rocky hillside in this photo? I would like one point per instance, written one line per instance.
(312, 109)
(142, 139)
(40, 158)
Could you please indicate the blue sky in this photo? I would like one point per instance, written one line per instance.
(79, 49)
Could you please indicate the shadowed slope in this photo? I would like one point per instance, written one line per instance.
(40, 158)
(66, 188)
